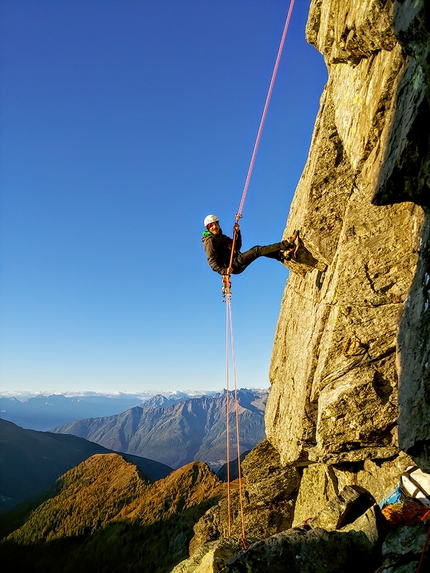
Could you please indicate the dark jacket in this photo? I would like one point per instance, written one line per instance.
(218, 250)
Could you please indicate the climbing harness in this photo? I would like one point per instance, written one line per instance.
(226, 292)
(226, 286)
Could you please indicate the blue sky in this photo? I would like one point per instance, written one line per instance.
(123, 123)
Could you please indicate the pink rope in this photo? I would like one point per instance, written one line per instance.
(263, 117)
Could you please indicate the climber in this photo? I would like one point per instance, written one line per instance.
(218, 249)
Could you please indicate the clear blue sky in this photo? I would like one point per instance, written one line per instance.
(123, 123)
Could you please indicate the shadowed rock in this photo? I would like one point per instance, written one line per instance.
(299, 551)
(351, 502)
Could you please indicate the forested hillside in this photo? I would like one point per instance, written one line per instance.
(31, 461)
(104, 515)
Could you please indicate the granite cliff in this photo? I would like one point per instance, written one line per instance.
(341, 371)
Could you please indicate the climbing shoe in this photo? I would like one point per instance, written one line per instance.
(295, 240)
(226, 284)
(286, 256)
(290, 246)
(286, 245)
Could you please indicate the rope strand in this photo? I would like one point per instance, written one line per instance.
(260, 130)
(227, 309)
(266, 106)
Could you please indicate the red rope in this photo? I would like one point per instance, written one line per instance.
(230, 342)
(236, 399)
(423, 552)
(227, 309)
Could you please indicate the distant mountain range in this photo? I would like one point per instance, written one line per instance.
(177, 434)
(42, 412)
(31, 461)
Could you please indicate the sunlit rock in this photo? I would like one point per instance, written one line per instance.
(337, 354)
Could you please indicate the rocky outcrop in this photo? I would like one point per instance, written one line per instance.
(210, 557)
(413, 361)
(334, 394)
(351, 503)
(404, 171)
(306, 552)
(269, 492)
(350, 533)
(402, 549)
(321, 482)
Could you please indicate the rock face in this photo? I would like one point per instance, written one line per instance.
(321, 482)
(402, 549)
(361, 207)
(211, 557)
(414, 361)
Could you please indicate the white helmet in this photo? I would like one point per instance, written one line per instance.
(210, 219)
